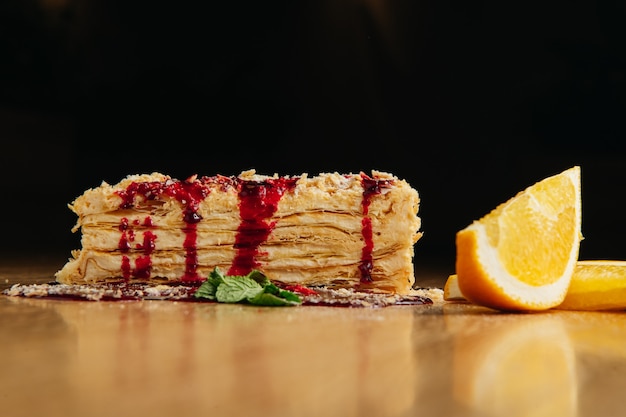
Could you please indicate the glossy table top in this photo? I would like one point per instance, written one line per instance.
(164, 358)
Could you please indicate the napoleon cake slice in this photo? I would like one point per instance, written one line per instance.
(333, 230)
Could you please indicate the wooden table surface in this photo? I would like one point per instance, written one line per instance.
(164, 358)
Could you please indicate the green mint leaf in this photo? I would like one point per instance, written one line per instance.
(216, 274)
(271, 288)
(259, 277)
(208, 288)
(234, 289)
(290, 296)
(274, 296)
(268, 299)
(254, 288)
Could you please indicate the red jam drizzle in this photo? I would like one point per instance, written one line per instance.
(126, 268)
(258, 201)
(143, 265)
(300, 289)
(371, 187)
(148, 244)
(189, 194)
(126, 237)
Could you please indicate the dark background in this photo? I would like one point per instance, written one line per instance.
(468, 101)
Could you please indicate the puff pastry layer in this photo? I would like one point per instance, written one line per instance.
(333, 230)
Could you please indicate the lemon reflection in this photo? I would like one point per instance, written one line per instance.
(600, 334)
(515, 365)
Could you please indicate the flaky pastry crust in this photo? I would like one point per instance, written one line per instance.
(316, 234)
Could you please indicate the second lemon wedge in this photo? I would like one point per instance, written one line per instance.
(597, 285)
